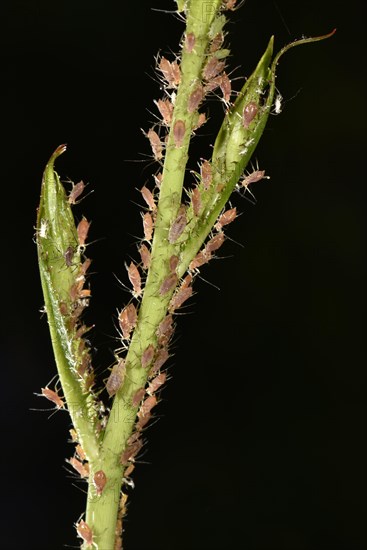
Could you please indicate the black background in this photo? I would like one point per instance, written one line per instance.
(260, 442)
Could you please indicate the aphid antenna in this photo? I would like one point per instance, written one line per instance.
(176, 14)
(206, 280)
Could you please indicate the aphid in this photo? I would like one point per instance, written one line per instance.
(131, 451)
(142, 422)
(225, 87)
(69, 255)
(76, 289)
(230, 4)
(80, 452)
(168, 284)
(178, 225)
(134, 278)
(127, 473)
(82, 469)
(155, 144)
(85, 266)
(127, 320)
(63, 307)
(156, 383)
(165, 330)
(249, 113)
(160, 359)
(165, 108)
(138, 396)
(254, 177)
(200, 121)
(190, 42)
(226, 218)
(158, 179)
(206, 174)
(145, 256)
(116, 378)
(171, 72)
(217, 42)
(179, 129)
(147, 356)
(213, 67)
(85, 532)
(54, 397)
(195, 99)
(215, 243)
(148, 197)
(148, 226)
(99, 481)
(43, 229)
(173, 263)
(179, 298)
(187, 281)
(76, 191)
(200, 259)
(147, 406)
(82, 231)
(196, 201)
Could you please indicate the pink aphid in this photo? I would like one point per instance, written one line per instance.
(217, 42)
(161, 357)
(215, 243)
(155, 144)
(158, 179)
(145, 256)
(249, 113)
(179, 129)
(82, 469)
(190, 42)
(134, 278)
(138, 396)
(165, 108)
(127, 320)
(180, 298)
(187, 281)
(69, 256)
(254, 177)
(203, 257)
(147, 406)
(196, 201)
(178, 225)
(171, 72)
(99, 481)
(76, 191)
(173, 263)
(116, 378)
(85, 532)
(213, 68)
(156, 383)
(82, 231)
(200, 121)
(148, 226)
(53, 397)
(195, 98)
(168, 284)
(206, 174)
(85, 266)
(148, 197)
(147, 356)
(165, 330)
(225, 87)
(131, 451)
(230, 4)
(226, 218)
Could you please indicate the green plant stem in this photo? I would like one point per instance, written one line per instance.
(102, 511)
